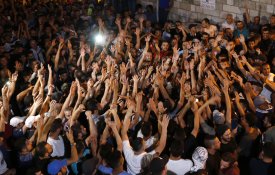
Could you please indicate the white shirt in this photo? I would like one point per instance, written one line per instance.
(133, 161)
(265, 92)
(58, 146)
(180, 167)
(149, 142)
(225, 25)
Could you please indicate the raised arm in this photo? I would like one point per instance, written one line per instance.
(227, 101)
(112, 125)
(11, 87)
(163, 137)
(57, 56)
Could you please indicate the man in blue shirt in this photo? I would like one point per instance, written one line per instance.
(241, 29)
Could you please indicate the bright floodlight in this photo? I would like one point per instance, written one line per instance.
(99, 39)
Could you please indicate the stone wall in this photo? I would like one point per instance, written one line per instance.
(190, 10)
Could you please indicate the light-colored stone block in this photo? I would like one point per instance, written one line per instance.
(266, 1)
(193, 8)
(230, 2)
(233, 9)
(270, 8)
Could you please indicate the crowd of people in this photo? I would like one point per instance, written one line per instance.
(92, 88)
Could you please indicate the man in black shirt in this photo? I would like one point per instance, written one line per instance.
(213, 145)
(264, 165)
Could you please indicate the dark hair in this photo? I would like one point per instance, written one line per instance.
(137, 144)
(146, 129)
(206, 20)
(176, 148)
(91, 105)
(20, 143)
(180, 134)
(209, 140)
(41, 149)
(57, 124)
(105, 150)
(228, 157)
(114, 160)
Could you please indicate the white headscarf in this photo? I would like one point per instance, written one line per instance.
(199, 158)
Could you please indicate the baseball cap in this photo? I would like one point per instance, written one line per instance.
(55, 166)
(158, 164)
(259, 100)
(30, 120)
(218, 117)
(16, 120)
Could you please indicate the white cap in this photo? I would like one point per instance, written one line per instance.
(16, 120)
(30, 120)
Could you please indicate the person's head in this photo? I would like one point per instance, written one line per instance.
(265, 34)
(227, 160)
(229, 18)
(240, 25)
(148, 56)
(105, 150)
(63, 75)
(205, 23)
(199, 157)
(17, 122)
(261, 103)
(251, 43)
(79, 131)
(223, 133)
(23, 145)
(164, 46)
(158, 166)
(145, 162)
(192, 28)
(3, 61)
(176, 148)
(266, 69)
(33, 44)
(231, 45)
(256, 20)
(205, 36)
(116, 160)
(272, 19)
(212, 142)
(146, 129)
(269, 120)
(43, 150)
(179, 134)
(138, 145)
(56, 126)
(68, 112)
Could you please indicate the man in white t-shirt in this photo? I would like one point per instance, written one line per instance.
(229, 22)
(134, 154)
(266, 92)
(55, 140)
(176, 164)
(146, 134)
